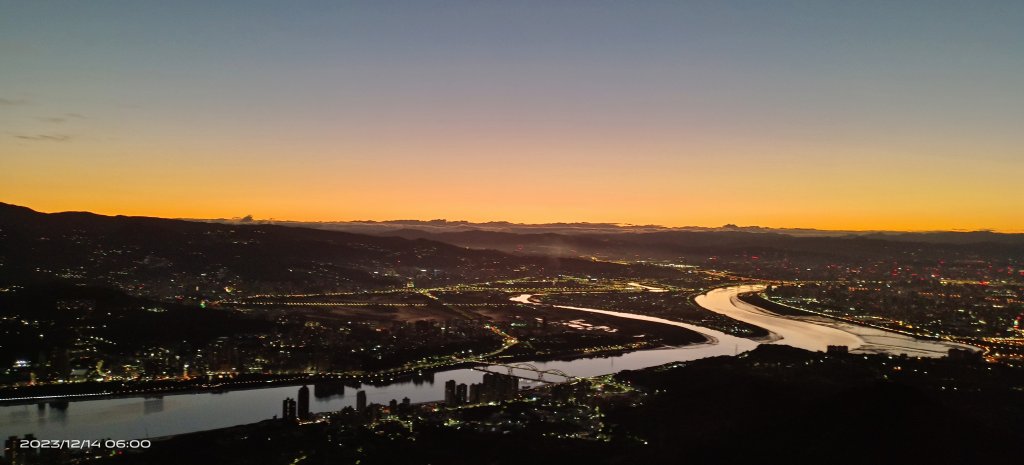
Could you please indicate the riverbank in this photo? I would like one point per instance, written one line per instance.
(175, 414)
(757, 300)
(816, 332)
(31, 395)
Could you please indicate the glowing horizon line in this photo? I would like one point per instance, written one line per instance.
(602, 223)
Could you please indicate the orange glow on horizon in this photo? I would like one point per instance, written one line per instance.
(200, 208)
(671, 114)
(534, 181)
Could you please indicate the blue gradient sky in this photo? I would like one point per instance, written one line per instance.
(859, 115)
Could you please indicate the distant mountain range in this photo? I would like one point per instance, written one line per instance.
(177, 257)
(445, 226)
(209, 259)
(692, 243)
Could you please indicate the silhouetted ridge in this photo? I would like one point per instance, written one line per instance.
(144, 253)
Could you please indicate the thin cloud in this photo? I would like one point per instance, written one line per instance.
(61, 119)
(44, 137)
(13, 101)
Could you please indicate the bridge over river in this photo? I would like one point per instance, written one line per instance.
(137, 417)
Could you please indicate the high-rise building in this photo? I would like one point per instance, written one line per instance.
(288, 409)
(494, 388)
(360, 401)
(511, 387)
(10, 449)
(460, 394)
(373, 412)
(449, 392)
(303, 407)
(474, 393)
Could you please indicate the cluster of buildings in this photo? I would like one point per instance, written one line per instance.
(297, 410)
(293, 410)
(14, 454)
(933, 308)
(495, 387)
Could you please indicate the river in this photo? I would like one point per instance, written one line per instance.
(816, 332)
(135, 417)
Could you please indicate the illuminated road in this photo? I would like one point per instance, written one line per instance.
(137, 417)
(814, 332)
(646, 288)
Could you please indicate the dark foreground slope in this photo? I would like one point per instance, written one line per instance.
(781, 404)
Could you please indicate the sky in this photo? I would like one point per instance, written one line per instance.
(903, 115)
